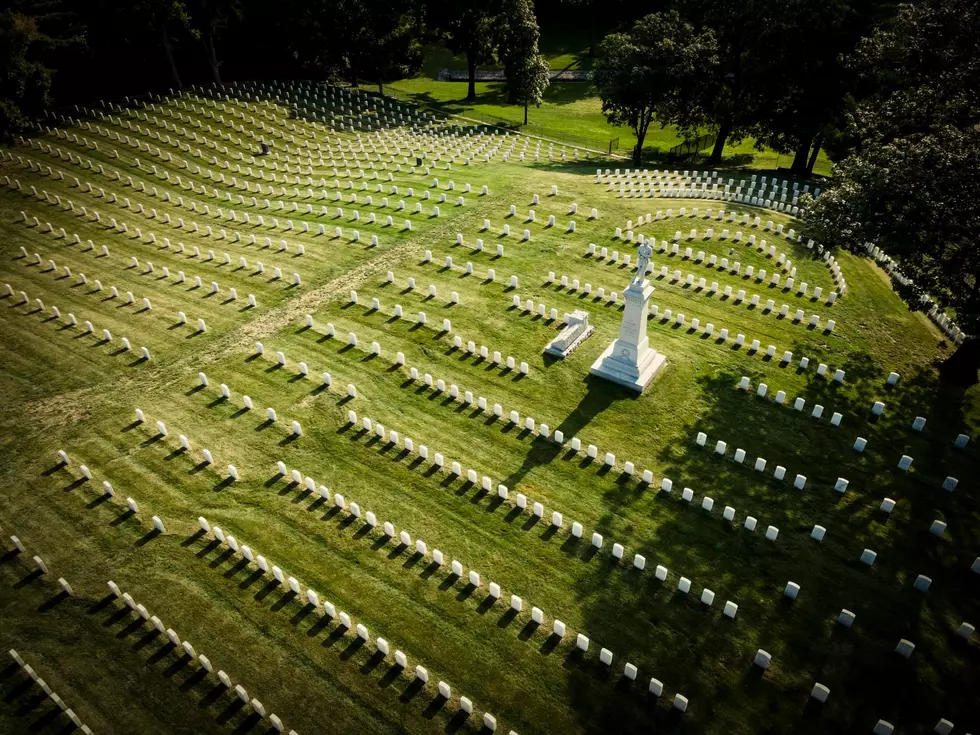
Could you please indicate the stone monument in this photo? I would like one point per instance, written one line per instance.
(577, 329)
(629, 360)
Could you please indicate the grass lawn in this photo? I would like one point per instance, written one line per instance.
(569, 107)
(67, 389)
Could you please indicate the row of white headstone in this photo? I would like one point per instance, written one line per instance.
(936, 528)
(935, 311)
(779, 397)
(304, 370)
(755, 346)
(474, 578)
(522, 502)
(180, 202)
(195, 250)
(206, 456)
(52, 267)
(198, 658)
(49, 692)
(780, 258)
(282, 121)
(107, 488)
(830, 260)
(88, 327)
(313, 598)
(194, 228)
(260, 162)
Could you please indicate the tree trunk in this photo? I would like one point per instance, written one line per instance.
(960, 368)
(169, 53)
(471, 66)
(525, 112)
(641, 134)
(212, 56)
(723, 132)
(799, 160)
(817, 141)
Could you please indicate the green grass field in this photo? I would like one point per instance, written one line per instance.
(570, 108)
(68, 390)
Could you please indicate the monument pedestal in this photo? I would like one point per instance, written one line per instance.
(630, 361)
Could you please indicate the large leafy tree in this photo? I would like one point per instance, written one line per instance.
(161, 19)
(909, 187)
(655, 71)
(726, 101)
(356, 38)
(526, 70)
(804, 81)
(211, 18)
(29, 31)
(471, 30)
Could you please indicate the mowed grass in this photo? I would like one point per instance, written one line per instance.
(572, 108)
(66, 390)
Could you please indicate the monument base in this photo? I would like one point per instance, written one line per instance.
(635, 377)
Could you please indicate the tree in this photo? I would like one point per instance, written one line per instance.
(28, 30)
(726, 102)
(471, 30)
(804, 81)
(909, 186)
(356, 38)
(211, 18)
(160, 17)
(655, 71)
(528, 74)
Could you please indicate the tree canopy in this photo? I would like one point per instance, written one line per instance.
(655, 71)
(471, 30)
(908, 187)
(527, 72)
(28, 30)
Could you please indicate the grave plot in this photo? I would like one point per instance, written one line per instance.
(372, 497)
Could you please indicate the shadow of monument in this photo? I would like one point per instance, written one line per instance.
(600, 395)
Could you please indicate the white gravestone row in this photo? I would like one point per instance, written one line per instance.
(103, 337)
(184, 647)
(779, 397)
(49, 692)
(320, 605)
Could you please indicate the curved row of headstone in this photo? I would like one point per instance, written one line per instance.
(49, 692)
(673, 184)
(199, 659)
(933, 311)
(681, 319)
(936, 528)
(832, 264)
(780, 258)
(701, 285)
(325, 607)
(70, 320)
